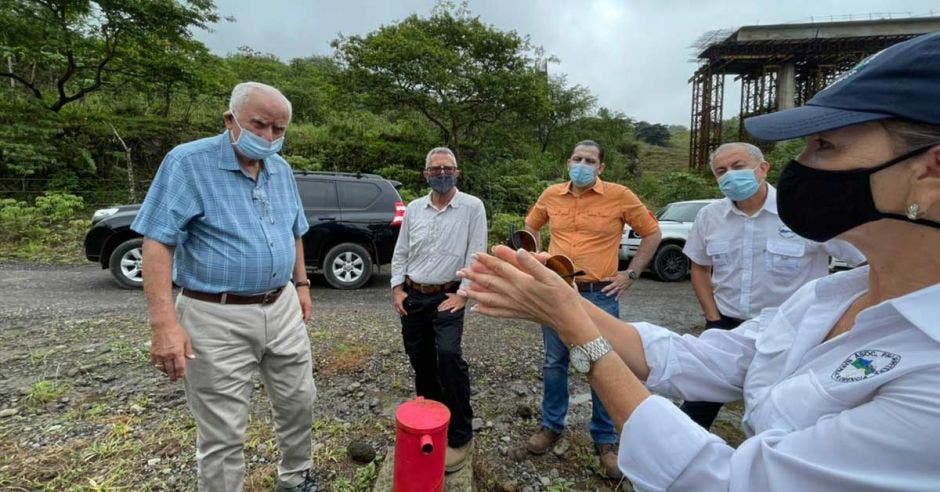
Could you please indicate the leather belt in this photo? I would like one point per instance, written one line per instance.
(429, 288)
(226, 298)
(591, 286)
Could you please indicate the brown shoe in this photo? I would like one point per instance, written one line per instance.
(456, 458)
(542, 441)
(607, 455)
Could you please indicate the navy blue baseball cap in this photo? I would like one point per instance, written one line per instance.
(901, 81)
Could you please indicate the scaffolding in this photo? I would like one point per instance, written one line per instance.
(780, 66)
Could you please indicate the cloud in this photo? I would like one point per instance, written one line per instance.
(632, 54)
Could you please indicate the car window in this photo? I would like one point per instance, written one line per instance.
(681, 211)
(358, 194)
(317, 194)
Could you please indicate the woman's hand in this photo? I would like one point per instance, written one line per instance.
(515, 284)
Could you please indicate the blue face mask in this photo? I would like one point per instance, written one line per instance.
(582, 174)
(253, 146)
(739, 184)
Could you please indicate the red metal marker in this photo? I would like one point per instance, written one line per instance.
(420, 444)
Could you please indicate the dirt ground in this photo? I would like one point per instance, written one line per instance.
(82, 409)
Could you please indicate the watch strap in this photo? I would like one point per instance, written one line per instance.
(597, 348)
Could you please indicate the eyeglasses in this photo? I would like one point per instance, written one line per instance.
(446, 170)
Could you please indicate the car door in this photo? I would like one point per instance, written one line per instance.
(321, 207)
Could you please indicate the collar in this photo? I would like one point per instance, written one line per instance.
(770, 203)
(598, 187)
(919, 308)
(229, 161)
(454, 202)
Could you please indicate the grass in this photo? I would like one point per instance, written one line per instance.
(361, 482)
(45, 391)
(345, 357)
(63, 245)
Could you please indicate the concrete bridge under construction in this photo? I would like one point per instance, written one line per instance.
(781, 66)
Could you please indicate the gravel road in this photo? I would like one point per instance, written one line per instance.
(40, 292)
(80, 403)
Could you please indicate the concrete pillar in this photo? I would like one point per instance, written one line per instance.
(786, 86)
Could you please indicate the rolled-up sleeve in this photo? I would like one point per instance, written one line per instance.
(538, 214)
(301, 226)
(890, 443)
(402, 247)
(476, 238)
(710, 367)
(695, 245)
(637, 216)
(170, 204)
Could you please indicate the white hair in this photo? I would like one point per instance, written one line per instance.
(440, 150)
(751, 149)
(241, 92)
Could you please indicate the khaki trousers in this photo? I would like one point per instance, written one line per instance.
(232, 343)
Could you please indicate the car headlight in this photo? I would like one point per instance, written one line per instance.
(102, 213)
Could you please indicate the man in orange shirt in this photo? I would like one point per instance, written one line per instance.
(586, 217)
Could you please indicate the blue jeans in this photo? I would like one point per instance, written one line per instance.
(555, 379)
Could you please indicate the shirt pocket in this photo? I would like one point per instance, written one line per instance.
(604, 221)
(720, 253)
(785, 258)
(561, 219)
(799, 402)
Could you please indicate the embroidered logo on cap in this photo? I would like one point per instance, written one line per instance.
(865, 364)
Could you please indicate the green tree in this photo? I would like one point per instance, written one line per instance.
(62, 50)
(653, 133)
(456, 71)
(565, 105)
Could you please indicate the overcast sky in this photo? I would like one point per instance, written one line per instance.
(633, 55)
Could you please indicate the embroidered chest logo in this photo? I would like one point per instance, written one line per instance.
(785, 232)
(865, 364)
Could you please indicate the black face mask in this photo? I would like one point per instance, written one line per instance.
(819, 205)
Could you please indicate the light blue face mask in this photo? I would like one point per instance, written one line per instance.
(739, 184)
(581, 174)
(253, 146)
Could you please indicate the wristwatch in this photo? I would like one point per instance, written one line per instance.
(584, 356)
(632, 275)
(302, 283)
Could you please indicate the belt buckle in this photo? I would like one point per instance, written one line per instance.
(268, 297)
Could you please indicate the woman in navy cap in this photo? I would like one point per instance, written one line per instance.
(841, 383)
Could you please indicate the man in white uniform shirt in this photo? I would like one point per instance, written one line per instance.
(744, 258)
(841, 383)
(439, 233)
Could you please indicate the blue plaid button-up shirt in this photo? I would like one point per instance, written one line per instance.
(231, 233)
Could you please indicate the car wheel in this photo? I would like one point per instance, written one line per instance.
(127, 262)
(347, 266)
(670, 264)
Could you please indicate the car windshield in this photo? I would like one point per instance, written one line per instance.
(680, 211)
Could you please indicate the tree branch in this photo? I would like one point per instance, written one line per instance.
(25, 82)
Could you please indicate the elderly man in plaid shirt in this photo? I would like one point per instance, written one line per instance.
(224, 217)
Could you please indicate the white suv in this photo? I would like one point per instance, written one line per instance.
(669, 264)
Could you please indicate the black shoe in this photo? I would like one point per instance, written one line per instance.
(308, 485)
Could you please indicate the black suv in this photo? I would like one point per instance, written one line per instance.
(354, 223)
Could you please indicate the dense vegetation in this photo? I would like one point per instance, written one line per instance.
(94, 93)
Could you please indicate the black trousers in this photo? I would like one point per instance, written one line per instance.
(432, 341)
(704, 412)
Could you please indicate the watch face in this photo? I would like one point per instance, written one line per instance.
(579, 359)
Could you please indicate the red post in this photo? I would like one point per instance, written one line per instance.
(420, 444)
